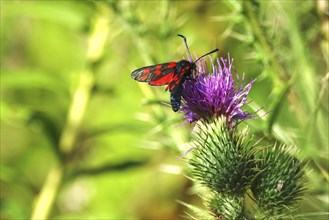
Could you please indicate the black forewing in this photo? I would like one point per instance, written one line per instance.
(156, 75)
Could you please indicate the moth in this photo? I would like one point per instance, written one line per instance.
(172, 74)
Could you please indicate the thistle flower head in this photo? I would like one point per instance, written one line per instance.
(210, 96)
(280, 180)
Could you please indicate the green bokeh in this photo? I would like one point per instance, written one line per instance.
(122, 163)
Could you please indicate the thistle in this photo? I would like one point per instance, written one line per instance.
(215, 95)
(245, 180)
(278, 184)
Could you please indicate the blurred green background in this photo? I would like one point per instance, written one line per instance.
(81, 140)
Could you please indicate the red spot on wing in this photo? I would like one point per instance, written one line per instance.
(171, 65)
(166, 79)
(146, 71)
(175, 82)
(142, 75)
(185, 68)
(173, 85)
(157, 70)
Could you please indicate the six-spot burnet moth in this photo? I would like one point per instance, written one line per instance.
(172, 74)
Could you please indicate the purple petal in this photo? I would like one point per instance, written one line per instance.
(215, 95)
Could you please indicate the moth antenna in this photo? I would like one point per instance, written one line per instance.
(213, 51)
(188, 50)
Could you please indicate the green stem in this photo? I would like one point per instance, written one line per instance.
(283, 76)
(268, 49)
(48, 194)
(76, 112)
(50, 189)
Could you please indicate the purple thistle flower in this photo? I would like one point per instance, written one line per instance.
(209, 96)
